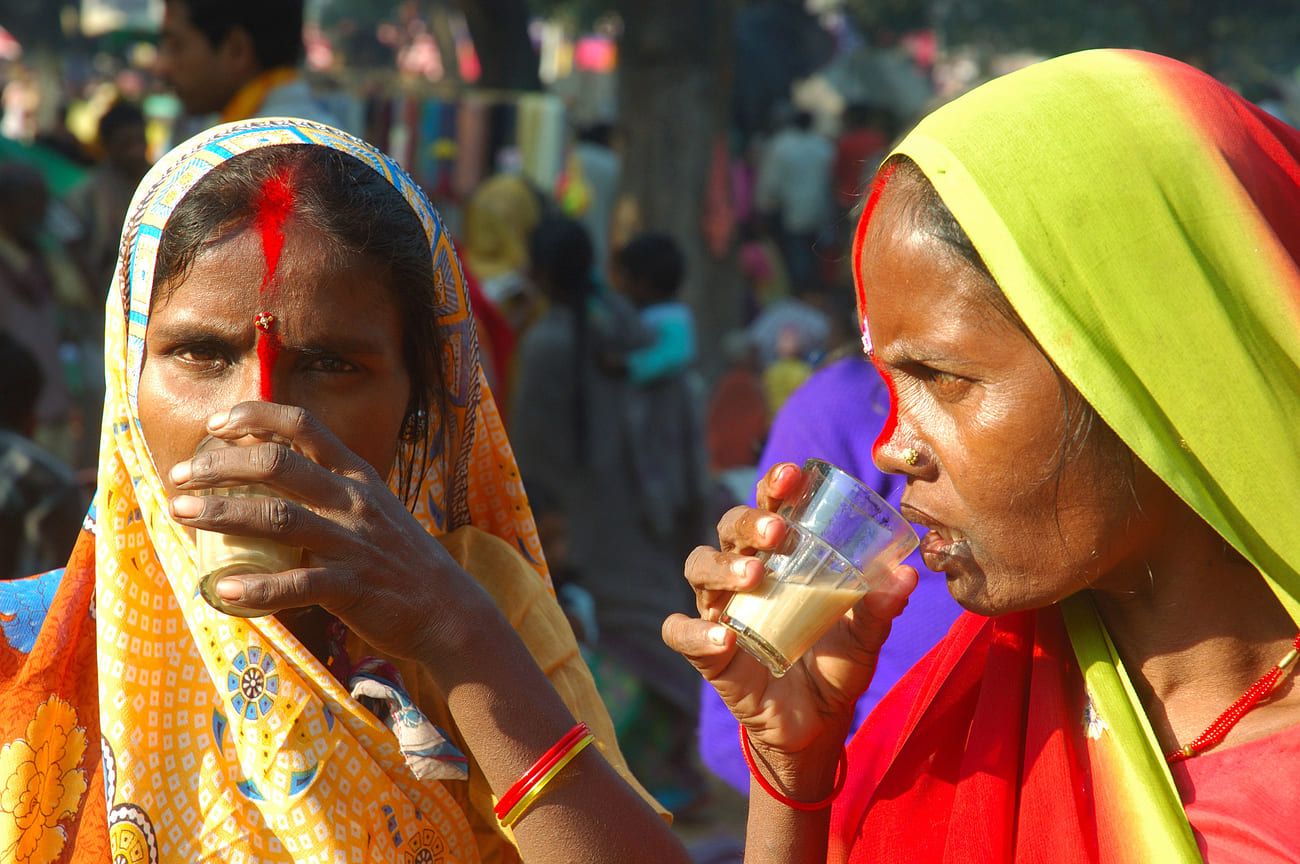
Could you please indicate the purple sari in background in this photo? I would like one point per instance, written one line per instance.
(836, 416)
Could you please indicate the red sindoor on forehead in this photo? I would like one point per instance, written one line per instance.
(859, 240)
(273, 208)
(274, 205)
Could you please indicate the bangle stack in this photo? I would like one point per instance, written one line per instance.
(528, 788)
(841, 774)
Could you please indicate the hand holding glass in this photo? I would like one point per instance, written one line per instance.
(221, 555)
(843, 540)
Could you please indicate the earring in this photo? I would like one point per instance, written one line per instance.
(910, 456)
(416, 425)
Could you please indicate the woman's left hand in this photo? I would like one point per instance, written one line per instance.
(368, 561)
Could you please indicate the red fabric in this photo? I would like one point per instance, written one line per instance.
(58, 676)
(737, 422)
(1242, 801)
(973, 755)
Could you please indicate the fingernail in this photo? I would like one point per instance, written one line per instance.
(718, 635)
(186, 506)
(181, 472)
(767, 527)
(740, 568)
(230, 589)
(787, 473)
(216, 421)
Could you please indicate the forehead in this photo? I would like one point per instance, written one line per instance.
(915, 283)
(315, 284)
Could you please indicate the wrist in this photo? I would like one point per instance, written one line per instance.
(807, 776)
(468, 632)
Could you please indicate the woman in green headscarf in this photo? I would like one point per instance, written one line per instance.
(1081, 281)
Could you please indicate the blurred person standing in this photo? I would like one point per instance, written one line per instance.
(102, 200)
(41, 292)
(100, 205)
(571, 435)
(41, 507)
(794, 191)
(499, 219)
(235, 59)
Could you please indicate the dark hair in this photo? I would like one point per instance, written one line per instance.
(561, 257)
(120, 115)
(21, 381)
(274, 26)
(597, 133)
(350, 203)
(656, 261)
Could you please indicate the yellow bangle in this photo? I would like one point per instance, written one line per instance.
(516, 813)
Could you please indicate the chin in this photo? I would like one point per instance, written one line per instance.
(975, 592)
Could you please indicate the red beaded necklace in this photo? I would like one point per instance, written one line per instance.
(1219, 729)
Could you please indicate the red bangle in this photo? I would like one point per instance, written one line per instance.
(539, 768)
(841, 775)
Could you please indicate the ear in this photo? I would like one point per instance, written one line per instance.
(237, 50)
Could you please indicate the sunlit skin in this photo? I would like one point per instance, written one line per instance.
(1018, 524)
(986, 412)
(341, 357)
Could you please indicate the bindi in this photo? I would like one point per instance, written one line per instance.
(274, 205)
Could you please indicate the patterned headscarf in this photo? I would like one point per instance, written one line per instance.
(224, 739)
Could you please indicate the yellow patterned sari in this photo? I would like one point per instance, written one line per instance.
(220, 738)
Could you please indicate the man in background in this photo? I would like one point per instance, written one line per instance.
(794, 191)
(235, 59)
(42, 297)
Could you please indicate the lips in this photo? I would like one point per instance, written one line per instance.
(942, 544)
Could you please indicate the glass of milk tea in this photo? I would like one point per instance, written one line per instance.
(221, 555)
(844, 539)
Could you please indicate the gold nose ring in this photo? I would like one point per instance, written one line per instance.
(910, 456)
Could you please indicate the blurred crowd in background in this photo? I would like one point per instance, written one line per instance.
(688, 250)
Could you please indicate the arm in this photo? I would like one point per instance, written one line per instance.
(508, 715)
(776, 833)
(375, 567)
(532, 613)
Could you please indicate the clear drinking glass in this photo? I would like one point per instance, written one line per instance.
(221, 555)
(843, 540)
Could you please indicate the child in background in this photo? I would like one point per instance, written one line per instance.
(648, 271)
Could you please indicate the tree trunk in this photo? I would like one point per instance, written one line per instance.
(674, 80)
(505, 51)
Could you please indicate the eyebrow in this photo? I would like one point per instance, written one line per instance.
(186, 330)
(902, 351)
(337, 344)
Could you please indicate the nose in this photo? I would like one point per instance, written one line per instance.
(903, 452)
